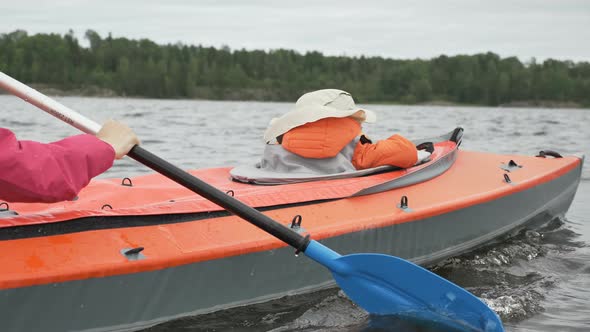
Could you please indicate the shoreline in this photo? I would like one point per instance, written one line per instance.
(98, 92)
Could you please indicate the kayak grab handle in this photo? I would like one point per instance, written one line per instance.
(128, 183)
(551, 153)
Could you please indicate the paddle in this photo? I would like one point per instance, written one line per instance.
(380, 284)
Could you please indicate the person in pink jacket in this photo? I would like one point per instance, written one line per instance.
(46, 173)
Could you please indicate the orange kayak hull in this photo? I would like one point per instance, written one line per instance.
(200, 260)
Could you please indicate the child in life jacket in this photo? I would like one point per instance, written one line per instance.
(325, 124)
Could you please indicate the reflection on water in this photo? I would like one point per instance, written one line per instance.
(537, 281)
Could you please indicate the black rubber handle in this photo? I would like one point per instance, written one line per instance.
(551, 153)
(220, 198)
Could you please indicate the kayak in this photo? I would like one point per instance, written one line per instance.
(130, 253)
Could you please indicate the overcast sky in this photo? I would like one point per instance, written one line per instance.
(558, 29)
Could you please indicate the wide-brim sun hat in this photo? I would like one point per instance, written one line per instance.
(314, 106)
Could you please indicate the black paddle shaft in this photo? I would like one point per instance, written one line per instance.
(220, 198)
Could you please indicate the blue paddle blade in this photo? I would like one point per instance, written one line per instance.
(387, 285)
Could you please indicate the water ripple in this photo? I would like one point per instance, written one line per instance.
(543, 273)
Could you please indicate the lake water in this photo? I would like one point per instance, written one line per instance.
(538, 281)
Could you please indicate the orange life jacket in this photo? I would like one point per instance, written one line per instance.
(325, 138)
(321, 139)
(395, 151)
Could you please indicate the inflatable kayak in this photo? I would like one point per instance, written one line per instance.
(130, 253)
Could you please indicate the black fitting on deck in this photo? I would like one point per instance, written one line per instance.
(428, 146)
(551, 153)
(296, 222)
(403, 204)
(134, 251)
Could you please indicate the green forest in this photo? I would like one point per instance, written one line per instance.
(143, 68)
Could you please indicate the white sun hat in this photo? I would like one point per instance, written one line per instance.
(314, 106)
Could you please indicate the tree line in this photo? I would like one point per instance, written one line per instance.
(144, 68)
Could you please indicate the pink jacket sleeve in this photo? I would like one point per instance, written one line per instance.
(37, 172)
